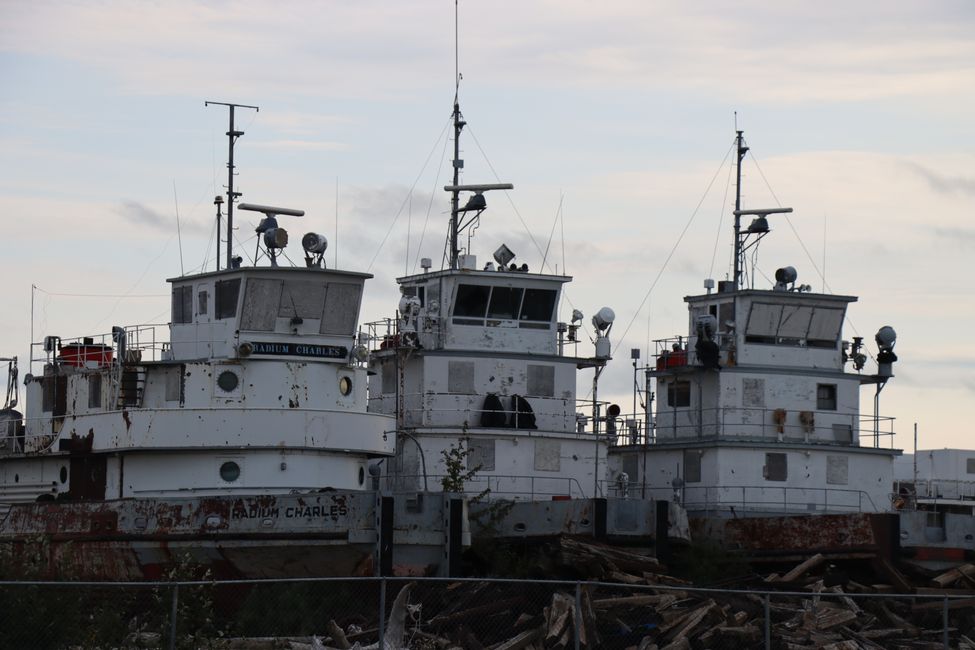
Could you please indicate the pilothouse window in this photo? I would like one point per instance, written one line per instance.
(505, 303)
(539, 305)
(301, 299)
(532, 307)
(472, 300)
(182, 304)
(226, 298)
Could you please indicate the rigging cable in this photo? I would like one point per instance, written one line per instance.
(403, 204)
(717, 237)
(551, 234)
(433, 194)
(676, 244)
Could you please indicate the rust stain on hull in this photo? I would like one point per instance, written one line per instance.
(840, 533)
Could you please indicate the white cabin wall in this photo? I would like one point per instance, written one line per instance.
(261, 472)
(943, 464)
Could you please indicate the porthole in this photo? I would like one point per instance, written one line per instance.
(16, 478)
(228, 381)
(345, 385)
(362, 475)
(64, 475)
(230, 471)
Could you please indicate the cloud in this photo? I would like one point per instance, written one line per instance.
(740, 53)
(140, 214)
(962, 237)
(942, 183)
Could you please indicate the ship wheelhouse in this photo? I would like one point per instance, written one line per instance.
(476, 360)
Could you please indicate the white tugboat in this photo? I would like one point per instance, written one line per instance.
(243, 440)
(476, 358)
(758, 413)
(477, 367)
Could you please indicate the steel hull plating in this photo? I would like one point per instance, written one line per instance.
(324, 534)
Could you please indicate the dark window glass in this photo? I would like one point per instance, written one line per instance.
(826, 397)
(539, 304)
(47, 394)
(776, 467)
(472, 300)
(692, 466)
(182, 304)
(226, 298)
(504, 303)
(94, 391)
(202, 297)
(679, 393)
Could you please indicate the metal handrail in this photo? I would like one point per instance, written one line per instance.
(135, 335)
(713, 423)
(716, 497)
(573, 486)
(470, 416)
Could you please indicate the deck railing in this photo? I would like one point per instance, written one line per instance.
(738, 499)
(754, 424)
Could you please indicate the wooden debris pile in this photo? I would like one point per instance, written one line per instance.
(644, 609)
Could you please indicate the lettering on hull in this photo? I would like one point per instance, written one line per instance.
(333, 512)
(300, 350)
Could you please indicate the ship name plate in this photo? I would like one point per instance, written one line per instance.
(300, 350)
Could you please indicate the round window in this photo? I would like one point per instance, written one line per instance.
(64, 475)
(228, 381)
(362, 475)
(230, 471)
(345, 385)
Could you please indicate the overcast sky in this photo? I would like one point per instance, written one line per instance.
(859, 116)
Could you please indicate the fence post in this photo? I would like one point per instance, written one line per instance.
(768, 623)
(172, 618)
(577, 619)
(944, 623)
(382, 613)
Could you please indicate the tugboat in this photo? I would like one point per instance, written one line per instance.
(242, 441)
(480, 375)
(758, 423)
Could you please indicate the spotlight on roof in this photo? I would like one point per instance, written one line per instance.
(603, 319)
(314, 243)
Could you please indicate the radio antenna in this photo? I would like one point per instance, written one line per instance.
(232, 136)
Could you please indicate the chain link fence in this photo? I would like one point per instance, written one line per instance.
(433, 613)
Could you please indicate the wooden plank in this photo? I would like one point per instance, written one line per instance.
(953, 575)
(694, 621)
(520, 641)
(953, 603)
(560, 613)
(338, 635)
(632, 601)
(803, 568)
(888, 570)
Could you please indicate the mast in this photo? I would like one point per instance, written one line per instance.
(739, 253)
(232, 136)
(455, 186)
(476, 203)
